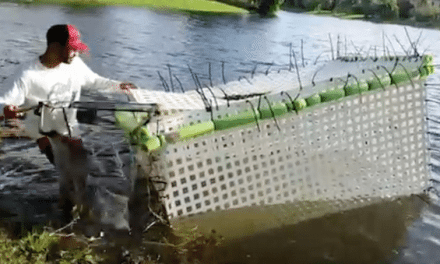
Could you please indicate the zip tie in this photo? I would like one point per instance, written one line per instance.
(377, 77)
(164, 83)
(290, 98)
(244, 77)
(223, 72)
(215, 98)
(210, 76)
(407, 74)
(389, 74)
(226, 96)
(208, 106)
(314, 75)
(267, 71)
(180, 84)
(255, 115)
(171, 77)
(253, 71)
(358, 83)
(273, 113)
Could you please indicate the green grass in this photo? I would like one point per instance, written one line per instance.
(40, 247)
(172, 5)
(336, 14)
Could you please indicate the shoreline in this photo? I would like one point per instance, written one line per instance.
(429, 24)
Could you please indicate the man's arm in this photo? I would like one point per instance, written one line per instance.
(14, 98)
(96, 82)
(9, 112)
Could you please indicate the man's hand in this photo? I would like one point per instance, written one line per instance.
(11, 112)
(126, 87)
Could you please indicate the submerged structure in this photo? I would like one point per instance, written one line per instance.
(251, 155)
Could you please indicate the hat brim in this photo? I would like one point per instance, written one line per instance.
(78, 46)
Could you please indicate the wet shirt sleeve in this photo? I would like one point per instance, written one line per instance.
(16, 92)
(93, 81)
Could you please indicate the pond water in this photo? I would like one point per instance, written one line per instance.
(136, 45)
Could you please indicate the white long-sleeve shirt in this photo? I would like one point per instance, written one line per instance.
(35, 83)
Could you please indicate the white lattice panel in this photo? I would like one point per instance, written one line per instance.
(365, 146)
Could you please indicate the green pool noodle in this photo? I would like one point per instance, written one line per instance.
(162, 140)
(236, 120)
(126, 120)
(424, 72)
(313, 100)
(379, 82)
(153, 143)
(290, 106)
(356, 88)
(299, 104)
(332, 94)
(142, 133)
(430, 69)
(427, 59)
(277, 110)
(196, 130)
(401, 76)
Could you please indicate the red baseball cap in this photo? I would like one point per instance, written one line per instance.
(74, 42)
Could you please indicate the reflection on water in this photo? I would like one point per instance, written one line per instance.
(365, 235)
(372, 234)
(135, 44)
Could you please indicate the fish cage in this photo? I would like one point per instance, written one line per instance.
(286, 146)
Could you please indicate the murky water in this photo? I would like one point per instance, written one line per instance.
(138, 44)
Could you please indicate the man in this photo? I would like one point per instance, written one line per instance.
(57, 76)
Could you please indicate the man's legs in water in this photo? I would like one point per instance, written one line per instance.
(70, 158)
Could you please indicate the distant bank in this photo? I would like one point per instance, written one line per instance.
(173, 5)
(263, 7)
(421, 13)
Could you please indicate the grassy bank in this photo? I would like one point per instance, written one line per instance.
(39, 247)
(44, 247)
(172, 5)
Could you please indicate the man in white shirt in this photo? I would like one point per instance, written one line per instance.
(57, 76)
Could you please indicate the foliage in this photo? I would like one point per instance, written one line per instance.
(426, 13)
(44, 247)
(195, 247)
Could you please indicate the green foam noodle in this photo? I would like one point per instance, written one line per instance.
(196, 130)
(379, 82)
(299, 104)
(242, 118)
(356, 87)
(151, 144)
(126, 120)
(401, 75)
(274, 110)
(313, 100)
(332, 94)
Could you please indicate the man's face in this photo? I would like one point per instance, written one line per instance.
(69, 54)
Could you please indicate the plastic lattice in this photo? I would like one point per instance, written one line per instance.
(352, 131)
(366, 146)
